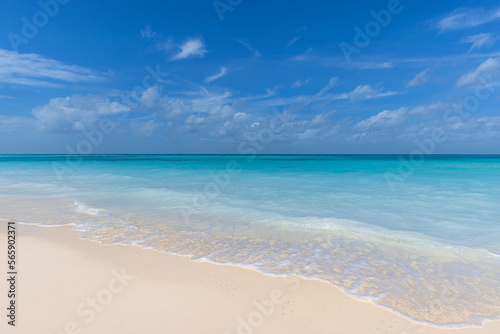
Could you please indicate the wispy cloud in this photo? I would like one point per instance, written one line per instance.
(300, 83)
(222, 72)
(331, 83)
(306, 56)
(419, 79)
(148, 33)
(255, 52)
(468, 18)
(295, 39)
(31, 69)
(6, 97)
(365, 92)
(428, 109)
(206, 100)
(386, 118)
(480, 40)
(296, 101)
(194, 47)
(327, 61)
(372, 65)
(490, 66)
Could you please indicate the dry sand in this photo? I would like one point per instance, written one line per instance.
(69, 285)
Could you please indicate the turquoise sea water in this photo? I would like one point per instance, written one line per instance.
(420, 238)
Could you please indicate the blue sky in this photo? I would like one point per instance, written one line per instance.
(235, 76)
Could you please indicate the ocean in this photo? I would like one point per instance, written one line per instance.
(421, 237)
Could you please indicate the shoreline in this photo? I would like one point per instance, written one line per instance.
(70, 285)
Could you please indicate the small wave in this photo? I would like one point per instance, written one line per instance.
(353, 228)
(445, 288)
(87, 209)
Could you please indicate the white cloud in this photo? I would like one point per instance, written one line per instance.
(150, 96)
(480, 40)
(300, 83)
(168, 45)
(222, 72)
(194, 47)
(208, 99)
(428, 109)
(6, 97)
(384, 119)
(468, 18)
(405, 124)
(364, 92)
(241, 116)
(474, 128)
(31, 69)
(144, 129)
(194, 120)
(148, 33)
(490, 66)
(75, 113)
(219, 121)
(173, 108)
(419, 79)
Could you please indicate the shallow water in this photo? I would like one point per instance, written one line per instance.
(425, 244)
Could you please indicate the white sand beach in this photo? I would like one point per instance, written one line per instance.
(69, 285)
